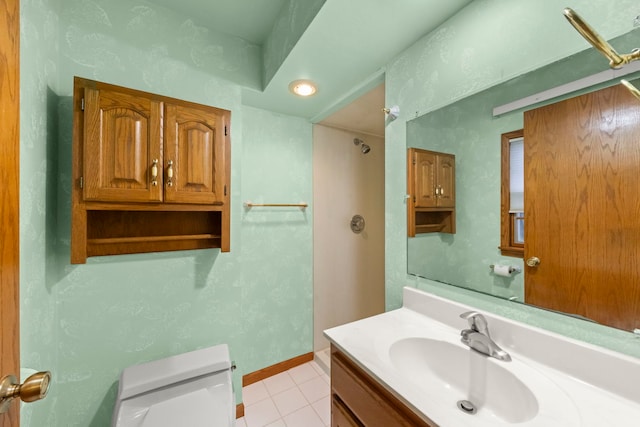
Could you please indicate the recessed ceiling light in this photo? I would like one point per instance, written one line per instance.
(302, 87)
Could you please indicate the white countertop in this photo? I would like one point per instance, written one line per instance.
(575, 384)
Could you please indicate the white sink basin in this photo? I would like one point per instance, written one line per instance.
(464, 374)
(416, 354)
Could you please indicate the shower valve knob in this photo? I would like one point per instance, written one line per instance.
(357, 224)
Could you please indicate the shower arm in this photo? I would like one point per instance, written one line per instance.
(616, 60)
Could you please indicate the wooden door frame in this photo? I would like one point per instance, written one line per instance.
(9, 197)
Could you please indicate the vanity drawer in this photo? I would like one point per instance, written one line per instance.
(370, 403)
(341, 416)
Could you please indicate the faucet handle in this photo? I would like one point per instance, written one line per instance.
(477, 321)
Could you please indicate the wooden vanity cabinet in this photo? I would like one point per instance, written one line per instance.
(358, 400)
(431, 184)
(150, 173)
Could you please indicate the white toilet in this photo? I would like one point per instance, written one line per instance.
(192, 389)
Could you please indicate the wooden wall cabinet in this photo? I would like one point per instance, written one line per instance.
(150, 173)
(359, 400)
(431, 184)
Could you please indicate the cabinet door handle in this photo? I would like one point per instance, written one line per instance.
(170, 173)
(154, 173)
(441, 190)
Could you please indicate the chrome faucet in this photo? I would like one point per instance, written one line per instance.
(477, 336)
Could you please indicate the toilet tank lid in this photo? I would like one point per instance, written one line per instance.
(161, 373)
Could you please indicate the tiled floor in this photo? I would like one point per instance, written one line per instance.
(298, 397)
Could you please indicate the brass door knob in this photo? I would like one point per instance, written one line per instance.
(534, 261)
(34, 388)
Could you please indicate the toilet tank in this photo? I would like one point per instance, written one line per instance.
(191, 389)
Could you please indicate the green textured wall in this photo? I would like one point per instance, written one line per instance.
(488, 42)
(38, 197)
(293, 21)
(87, 322)
(107, 39)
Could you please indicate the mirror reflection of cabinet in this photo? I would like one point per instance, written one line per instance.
(150, 173)
(432, 195)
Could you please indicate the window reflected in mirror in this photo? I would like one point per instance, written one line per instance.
(512, 194)
(518, 228)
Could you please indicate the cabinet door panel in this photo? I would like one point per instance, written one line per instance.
(446, 181)
(425, 179)
(122, 138)
(193, 143)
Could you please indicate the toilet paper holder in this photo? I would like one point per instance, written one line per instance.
(512, 269)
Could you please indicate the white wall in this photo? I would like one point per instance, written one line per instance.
(348, 268)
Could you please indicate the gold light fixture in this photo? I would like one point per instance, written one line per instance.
(303, 87)
(616, 60)
(634, 90)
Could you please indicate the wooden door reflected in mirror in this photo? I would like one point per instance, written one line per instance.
(582, 204)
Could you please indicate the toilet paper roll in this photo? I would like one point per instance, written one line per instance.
(502, 270)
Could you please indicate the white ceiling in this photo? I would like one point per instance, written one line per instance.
(344, 49)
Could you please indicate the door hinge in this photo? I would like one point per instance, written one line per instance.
(82, 104)
(81, 182)
(225, 130)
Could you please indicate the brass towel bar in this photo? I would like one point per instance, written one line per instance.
(249, 204)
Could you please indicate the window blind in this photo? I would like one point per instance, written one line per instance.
(516, 175)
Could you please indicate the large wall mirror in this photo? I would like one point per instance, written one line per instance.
(469, 130)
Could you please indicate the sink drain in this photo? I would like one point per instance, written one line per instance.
(467, 407)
